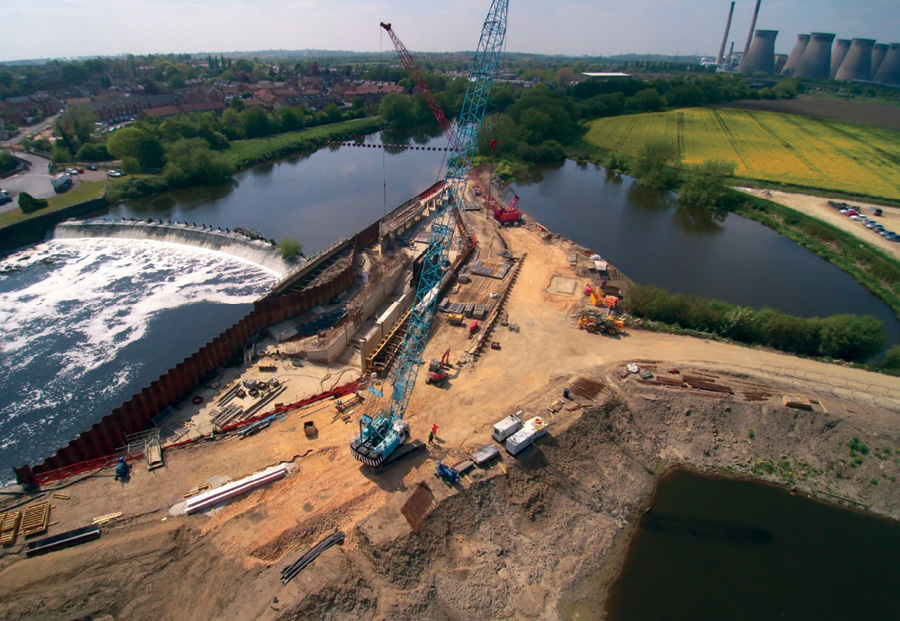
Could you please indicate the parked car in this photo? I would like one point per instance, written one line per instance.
(115, 172)
(892, 237)
(72, 171)
(4, 197)
(91, 167)
(844, 211)
(855, 217)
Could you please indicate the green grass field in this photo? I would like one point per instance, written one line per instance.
(768, 147)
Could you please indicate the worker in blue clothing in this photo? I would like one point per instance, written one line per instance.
(122, 469)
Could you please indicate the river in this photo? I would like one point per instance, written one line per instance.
(653, 240)
(713, 548)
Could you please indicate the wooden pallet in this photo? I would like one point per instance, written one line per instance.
(36, 519)
(9, 527)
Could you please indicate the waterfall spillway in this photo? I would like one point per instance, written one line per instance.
(256, 251)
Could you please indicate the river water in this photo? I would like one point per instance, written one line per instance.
(653, 240)
(713, 548)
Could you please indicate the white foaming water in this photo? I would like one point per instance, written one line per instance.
(68, 309)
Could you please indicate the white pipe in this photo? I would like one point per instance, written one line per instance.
(235, 488)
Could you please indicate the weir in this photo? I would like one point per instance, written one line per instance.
(255, 250)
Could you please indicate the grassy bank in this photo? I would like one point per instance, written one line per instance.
(244, 153)
(768, 147)
(84, 191)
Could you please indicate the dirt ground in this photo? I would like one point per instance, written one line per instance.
(513, 538)
(817, 207)
(820, 107)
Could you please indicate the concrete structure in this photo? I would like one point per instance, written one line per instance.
(878, 53)
(796, 54)
(761, 56)
(752, 26)
(889, 71)
(857, 64)
(721, 55)
(838, 52)
(816, 60)
(780, 60)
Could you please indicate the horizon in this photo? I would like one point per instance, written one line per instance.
(569, 28)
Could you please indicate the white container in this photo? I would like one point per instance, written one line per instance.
(507, 427)
(533, 429)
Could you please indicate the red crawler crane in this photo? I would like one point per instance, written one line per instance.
(504, 214)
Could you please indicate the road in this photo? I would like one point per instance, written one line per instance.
(35, 181)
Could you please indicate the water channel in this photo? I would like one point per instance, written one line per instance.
(713, 548)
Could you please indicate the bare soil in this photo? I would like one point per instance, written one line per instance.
(862, 112)
(512, 539)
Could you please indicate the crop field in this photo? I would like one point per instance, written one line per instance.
(769, 147)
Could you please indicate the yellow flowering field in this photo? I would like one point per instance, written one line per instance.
(768, 146)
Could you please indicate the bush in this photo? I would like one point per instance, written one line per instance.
(290, 248)
(136, 188)
(30, 204)
(850, 337)
(7, 162)
(892, 359)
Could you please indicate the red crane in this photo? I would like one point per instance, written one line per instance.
(504, 214)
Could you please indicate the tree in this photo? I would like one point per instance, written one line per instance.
(705, 185)
(73, 73)
(255, 122)
(654, 165)
(290, 248)
(135, 141)
(396, 109)
(30, 204)
(7, 162)
(190, 162)
(130, 166)
(851, 337)
(891, 360)
(60, 154)
(647, 100)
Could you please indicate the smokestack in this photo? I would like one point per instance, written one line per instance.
(837, 54)
(816, 60)
(878, 54)
(780, 60)
(761, 55)
(752, 26)
(857, 63)
(889, 71)
(796, 54)
(725, 38)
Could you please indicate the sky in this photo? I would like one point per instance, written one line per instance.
(74, 28)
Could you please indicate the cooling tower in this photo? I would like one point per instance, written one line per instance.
(725, 38)
(816, 60)
(796, 54)
(857, 63)
(752, 26)
(878, 54)
(837, 54)
(780, 60)
(889, 71)
(761, 56)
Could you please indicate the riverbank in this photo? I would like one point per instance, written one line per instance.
(515, 535)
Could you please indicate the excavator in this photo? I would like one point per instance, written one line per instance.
(437, 370)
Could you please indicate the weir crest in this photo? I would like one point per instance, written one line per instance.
(258, 251)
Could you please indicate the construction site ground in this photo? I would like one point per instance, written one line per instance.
(509, 541)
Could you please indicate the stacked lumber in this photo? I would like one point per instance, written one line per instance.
(9, 527)
(703, 384)
(36, 519)
(103, 519)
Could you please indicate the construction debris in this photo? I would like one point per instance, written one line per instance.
(103, 519)
(418, 506)
(60, 496)
(9, 527)
(35, 519)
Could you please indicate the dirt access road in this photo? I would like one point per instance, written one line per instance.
(512, 539)
(817, 207)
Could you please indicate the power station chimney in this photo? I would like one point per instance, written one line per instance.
(796, 54)
(878, 54)
(889, 71)
(752, 26)
(761, 55)
(721, 55)
(780, 60)
(816, 60)
(837, 54)
(857, 63)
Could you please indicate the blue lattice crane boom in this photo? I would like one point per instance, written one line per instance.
(380, 436)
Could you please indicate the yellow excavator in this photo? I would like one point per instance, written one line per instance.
(594, 322)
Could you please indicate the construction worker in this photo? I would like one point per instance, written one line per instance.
(122, 469)
(434, 429)
(430, 437)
